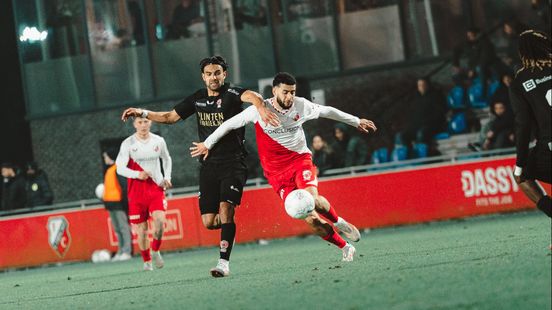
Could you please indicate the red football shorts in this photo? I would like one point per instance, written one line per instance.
(301, 174)
(144, 197)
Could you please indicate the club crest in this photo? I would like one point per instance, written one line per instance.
(59, 237)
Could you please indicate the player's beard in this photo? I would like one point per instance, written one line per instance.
(281, 104)
(214, 86)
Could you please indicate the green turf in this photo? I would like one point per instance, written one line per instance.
(496, 262)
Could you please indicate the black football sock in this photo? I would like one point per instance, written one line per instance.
(227, 235)
(545, 205)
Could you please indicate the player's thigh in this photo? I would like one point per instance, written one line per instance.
(232, 181)
(209, 194)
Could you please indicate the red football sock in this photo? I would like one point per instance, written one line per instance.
(155, 245)
(331, 215)
(336, 239)
(146, 256)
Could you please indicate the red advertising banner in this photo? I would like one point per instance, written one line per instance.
(412, 195)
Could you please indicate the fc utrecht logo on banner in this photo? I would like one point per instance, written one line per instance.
(59, 237)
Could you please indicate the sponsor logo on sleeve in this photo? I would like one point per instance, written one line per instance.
(233, 91)
(529, 85)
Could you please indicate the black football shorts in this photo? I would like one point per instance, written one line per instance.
(221, 182)
(539, 164)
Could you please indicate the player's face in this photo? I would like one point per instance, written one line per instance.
(142, 125)
(213, 76)
(285, 94)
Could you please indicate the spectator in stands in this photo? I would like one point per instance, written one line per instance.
(185, 14)
(250, 12)
(542, 9)
(512, 28)
(116, 202)
(13, 188)
(427, 118)
(500, 130)
(482, 60)
(502, 92)
(37, 187)
(322, 155)
(350, 149)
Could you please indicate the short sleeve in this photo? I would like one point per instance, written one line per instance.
(186, 107)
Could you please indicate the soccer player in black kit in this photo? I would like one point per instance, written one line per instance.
(223, 175)
(530, 94)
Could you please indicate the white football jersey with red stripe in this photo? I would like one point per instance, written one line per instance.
(138, 155)
(279, 146)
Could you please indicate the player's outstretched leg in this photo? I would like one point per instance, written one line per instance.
(323, 207)
(227, 236)
(158, 226)
(326, 232)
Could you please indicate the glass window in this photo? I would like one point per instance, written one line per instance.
(53, 51)
(370, 33)
(241, 34)
(178, 31)
(305, 36)
(120, 58)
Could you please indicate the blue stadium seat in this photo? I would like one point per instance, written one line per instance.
(442, 136)
(455, 98)
(420, 150)
(475, 96)
(457, 123)
(400, 152)
(380, 155)
(492, 89)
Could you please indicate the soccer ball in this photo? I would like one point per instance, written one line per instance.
(99, 191)
(299, 203)
(100, 256)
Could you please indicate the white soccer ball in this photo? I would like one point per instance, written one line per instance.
(99, 191)
(299, 204)
(100, 256)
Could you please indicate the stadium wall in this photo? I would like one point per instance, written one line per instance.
(411, 195)
(68, 147)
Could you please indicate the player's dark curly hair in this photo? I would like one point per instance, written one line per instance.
(283, 78)
(535, 50)
(213, 60)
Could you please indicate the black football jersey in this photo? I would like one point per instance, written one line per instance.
(530, 94)
(211, 112)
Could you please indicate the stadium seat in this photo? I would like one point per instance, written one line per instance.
(399, 153)
(420, 150)
(457, 124)
(442, 136)
(455, 98)
(380, 156)
(475, 96)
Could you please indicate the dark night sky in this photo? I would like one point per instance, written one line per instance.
(16, 141)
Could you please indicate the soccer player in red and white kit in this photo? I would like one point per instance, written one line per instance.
(138, 160)
(285, 157)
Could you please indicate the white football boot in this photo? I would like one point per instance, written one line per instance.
(124, 256)
(348, 229)
(148, 266)
(348, 252)
(157, 259)
(222, 269)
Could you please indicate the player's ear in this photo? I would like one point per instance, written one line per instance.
(274, 91)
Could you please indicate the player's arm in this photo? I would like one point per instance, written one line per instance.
(363, 125)
(122, 162)
(267, 116)
(167, 165)
(522, 128)
(249, 115)
(169, 117)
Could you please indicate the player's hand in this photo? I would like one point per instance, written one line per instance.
(365, 126)
(143, 175)
(519, 179)
(167, 184)
(269, 117)
(199, 149)
(131, 112)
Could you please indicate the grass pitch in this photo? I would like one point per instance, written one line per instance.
(494, 262)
